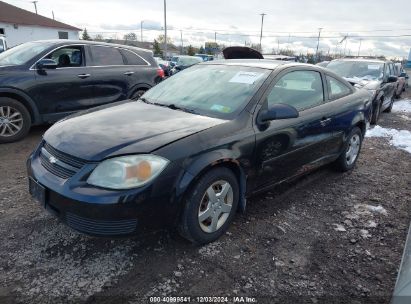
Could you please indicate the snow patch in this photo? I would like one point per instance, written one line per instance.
(365, 208)
(400, 139)
(403, 105)
(339, 227)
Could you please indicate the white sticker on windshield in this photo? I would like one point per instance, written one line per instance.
(373, 66)
(246, 77)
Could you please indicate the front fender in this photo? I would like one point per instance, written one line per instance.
(26, 100)
(195, 168)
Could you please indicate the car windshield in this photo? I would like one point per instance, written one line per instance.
(22, 53)
(189, 60)
(363, 70)
(212, 90)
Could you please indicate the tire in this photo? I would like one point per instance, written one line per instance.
(347, 162)
(15, 120)
(216, 219)
(137, 94)
(376, 113)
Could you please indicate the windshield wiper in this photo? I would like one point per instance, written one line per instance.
(170, 106)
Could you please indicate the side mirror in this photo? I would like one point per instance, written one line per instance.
(403, 74)
(392, 78)
(46, 64)
(277, 111)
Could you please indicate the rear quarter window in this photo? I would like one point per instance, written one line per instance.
(336, 89)
(133, 58)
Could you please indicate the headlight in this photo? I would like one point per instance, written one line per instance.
(127, 172)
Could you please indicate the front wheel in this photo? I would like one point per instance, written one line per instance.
(15, 120)
(210, 206)
(351, 151)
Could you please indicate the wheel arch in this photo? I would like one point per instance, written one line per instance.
(139, 86)
(25, 100)
(201, 166)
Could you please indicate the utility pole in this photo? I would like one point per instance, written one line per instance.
(165, 30)
(359, 49)
(52, 12)
(318, 42)
(261, 33)
(141, 30)
(215, 37)
(35, 5)
(181, 37)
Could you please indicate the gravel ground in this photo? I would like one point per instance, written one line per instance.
(326, 238)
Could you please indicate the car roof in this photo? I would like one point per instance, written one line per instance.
(58, 42)
(362, 60)
(258, 63)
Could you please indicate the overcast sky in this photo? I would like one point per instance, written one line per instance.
(288, 24)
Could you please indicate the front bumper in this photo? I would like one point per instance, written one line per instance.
(103, 212)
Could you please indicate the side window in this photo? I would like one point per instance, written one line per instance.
(103, 55)
(300, 89)
(336, 88)
(69, 56)
(133, 59)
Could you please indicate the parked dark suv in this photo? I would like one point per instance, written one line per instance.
(377, 76)
(43, 81)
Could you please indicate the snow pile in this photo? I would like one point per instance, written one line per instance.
(365, 209)
(403, 105)
(398, 138)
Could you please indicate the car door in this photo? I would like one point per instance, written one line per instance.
(66, 88)
(388, 87)
(139, 72)
(285, 148)
(108, 73)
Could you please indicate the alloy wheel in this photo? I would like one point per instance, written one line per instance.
(353, 149)
(11, 121)
(215, 206)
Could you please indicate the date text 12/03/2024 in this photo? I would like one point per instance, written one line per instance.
(235, 299)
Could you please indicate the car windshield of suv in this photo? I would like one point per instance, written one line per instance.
(189, 60)
(22, 53)
(212, 90)
(363, 70)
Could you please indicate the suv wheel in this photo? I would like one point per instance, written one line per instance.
(137, 94)
(352, 149)
(210, 206)
(15, 120)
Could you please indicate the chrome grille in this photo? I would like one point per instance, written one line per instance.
(59, 163)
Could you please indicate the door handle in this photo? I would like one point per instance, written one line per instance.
(82, 76)
(325, 121)
(129, 73)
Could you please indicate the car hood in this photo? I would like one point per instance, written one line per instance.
(364, 83)
(126, 128)
(241, 52)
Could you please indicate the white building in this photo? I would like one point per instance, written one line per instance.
(19, 26)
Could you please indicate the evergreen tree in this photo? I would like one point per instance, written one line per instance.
(157, 49)
(85, 35)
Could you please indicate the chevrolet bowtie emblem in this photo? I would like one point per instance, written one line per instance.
(52, 160)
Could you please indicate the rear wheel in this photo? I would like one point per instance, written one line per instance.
(210, 206)
(137, 94)
(15, 120)
(352, 149)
